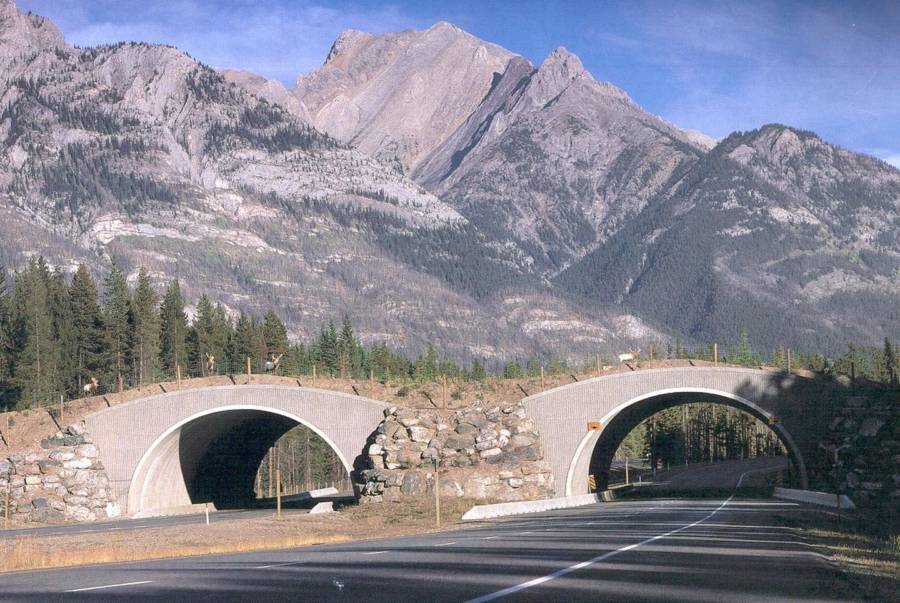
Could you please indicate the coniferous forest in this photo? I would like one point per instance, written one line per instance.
(59, 333)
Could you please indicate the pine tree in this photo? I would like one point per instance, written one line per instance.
(243, 343)
(117, 326)
(744, 353)
(35, 367)
(145, 340)
(173, 330)
(87, 326)
(327, 353)
(478, 372)
(275, 334)
(889, 362)
(63, 333)
(6, 364)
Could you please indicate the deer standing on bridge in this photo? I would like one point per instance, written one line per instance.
(273, 362)
(210, 364)
(629, 356)
(89, 387)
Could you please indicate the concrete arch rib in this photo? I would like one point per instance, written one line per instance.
(577, 475)
(561, 414)
(129, 433)
(157, 468)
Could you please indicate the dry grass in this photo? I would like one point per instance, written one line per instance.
(33, 553)
(865, 548)
(360, 522)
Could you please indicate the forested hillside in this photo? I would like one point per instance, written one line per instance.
(64, 337)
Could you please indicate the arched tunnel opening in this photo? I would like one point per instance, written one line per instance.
(231, 458)
(675, 431)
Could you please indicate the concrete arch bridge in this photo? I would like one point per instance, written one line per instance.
(199, 445)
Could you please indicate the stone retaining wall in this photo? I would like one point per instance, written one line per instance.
(862, 450)
(492, 454)
(64, 481)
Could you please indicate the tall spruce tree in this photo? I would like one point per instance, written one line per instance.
(243, 344)
(117, 326)
(173, 330)
(275, 333)
(62, 320)
(145, 340)
(87, 326)
(35, 369)
(6, 365)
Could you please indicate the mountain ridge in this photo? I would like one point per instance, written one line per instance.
(458, 194)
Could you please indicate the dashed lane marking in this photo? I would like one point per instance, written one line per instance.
(87, 588)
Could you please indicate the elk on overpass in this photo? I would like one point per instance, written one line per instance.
(793, 405)
(205, 445)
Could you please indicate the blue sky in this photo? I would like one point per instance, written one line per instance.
(831, 67)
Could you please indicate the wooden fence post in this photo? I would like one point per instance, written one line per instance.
(715, 354)
(248, 369)
(542, 378)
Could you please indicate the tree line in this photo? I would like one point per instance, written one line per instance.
(58, 334)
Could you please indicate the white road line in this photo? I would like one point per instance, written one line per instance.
(279, 564)
(490, 537)
(375, 552)
(445, 543)
(81, 590)
(589, 562)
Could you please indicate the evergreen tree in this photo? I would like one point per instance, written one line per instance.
(744, 353)
(173, 330)
(243, 343)
(888, 362)
(275, 334)
(512, 370)
(426, 365)
(35, 369)
(145, 340)
(87, 326)
(478, 372)
(63, 333)
(6, 366)
(117, 326)
(327, 353)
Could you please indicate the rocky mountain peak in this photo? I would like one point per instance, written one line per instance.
(21, 32)
(346, 44)
(564, 63)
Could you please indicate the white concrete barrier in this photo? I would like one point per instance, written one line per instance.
(824, 499)
(322, 507)
(530, 506)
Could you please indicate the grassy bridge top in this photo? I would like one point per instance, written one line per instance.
(28, 427)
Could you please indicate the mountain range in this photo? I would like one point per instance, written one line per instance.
(439, 189)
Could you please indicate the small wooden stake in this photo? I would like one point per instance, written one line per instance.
(789, 360)
(248, 369)
(444, 391)
(715, 354)
(597, 359)
(437, 494)
(371, 380)
(314, 374)
(61, 423)
(542, 378)
(278, 492)
(178, 375)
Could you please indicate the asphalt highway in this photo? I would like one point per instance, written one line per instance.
(647, 550)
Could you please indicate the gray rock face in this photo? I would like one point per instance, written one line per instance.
(397, 96)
